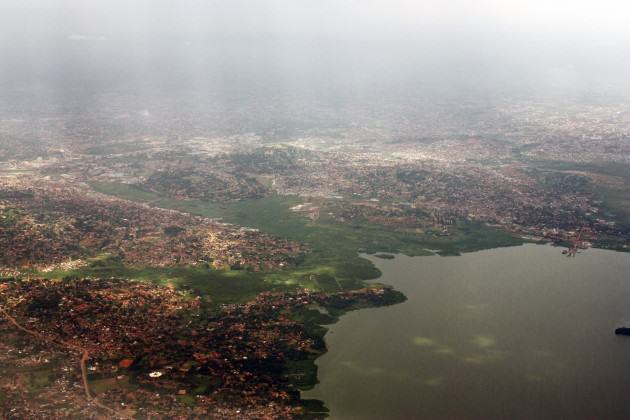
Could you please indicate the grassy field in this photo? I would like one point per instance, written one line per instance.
(333, 264)
(218, 285)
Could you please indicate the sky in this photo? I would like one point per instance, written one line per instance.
(301, 44)
(600, 21)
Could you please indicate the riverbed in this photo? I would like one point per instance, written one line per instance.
(510, 333)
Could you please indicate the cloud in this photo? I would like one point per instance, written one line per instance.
(81, 37)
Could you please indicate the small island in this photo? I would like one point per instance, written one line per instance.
(385, 256)
(622, 331)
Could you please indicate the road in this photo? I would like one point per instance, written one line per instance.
(85, 357)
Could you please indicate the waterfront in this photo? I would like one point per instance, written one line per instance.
(520, 332)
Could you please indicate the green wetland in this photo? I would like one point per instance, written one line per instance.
(333, 264)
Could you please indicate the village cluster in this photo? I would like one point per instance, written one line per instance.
(49, 225)
(153, 350)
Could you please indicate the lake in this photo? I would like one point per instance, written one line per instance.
(511, 333)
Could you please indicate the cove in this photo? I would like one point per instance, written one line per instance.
(508, 333)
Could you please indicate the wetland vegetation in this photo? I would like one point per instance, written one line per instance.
(333, 263)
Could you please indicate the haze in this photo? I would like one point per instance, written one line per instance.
(200, 200)
(318, 48)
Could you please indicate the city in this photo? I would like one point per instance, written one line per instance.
(294, 209)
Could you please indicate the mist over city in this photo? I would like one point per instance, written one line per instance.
(306, 209)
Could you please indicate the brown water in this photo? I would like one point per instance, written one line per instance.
(511, 333)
